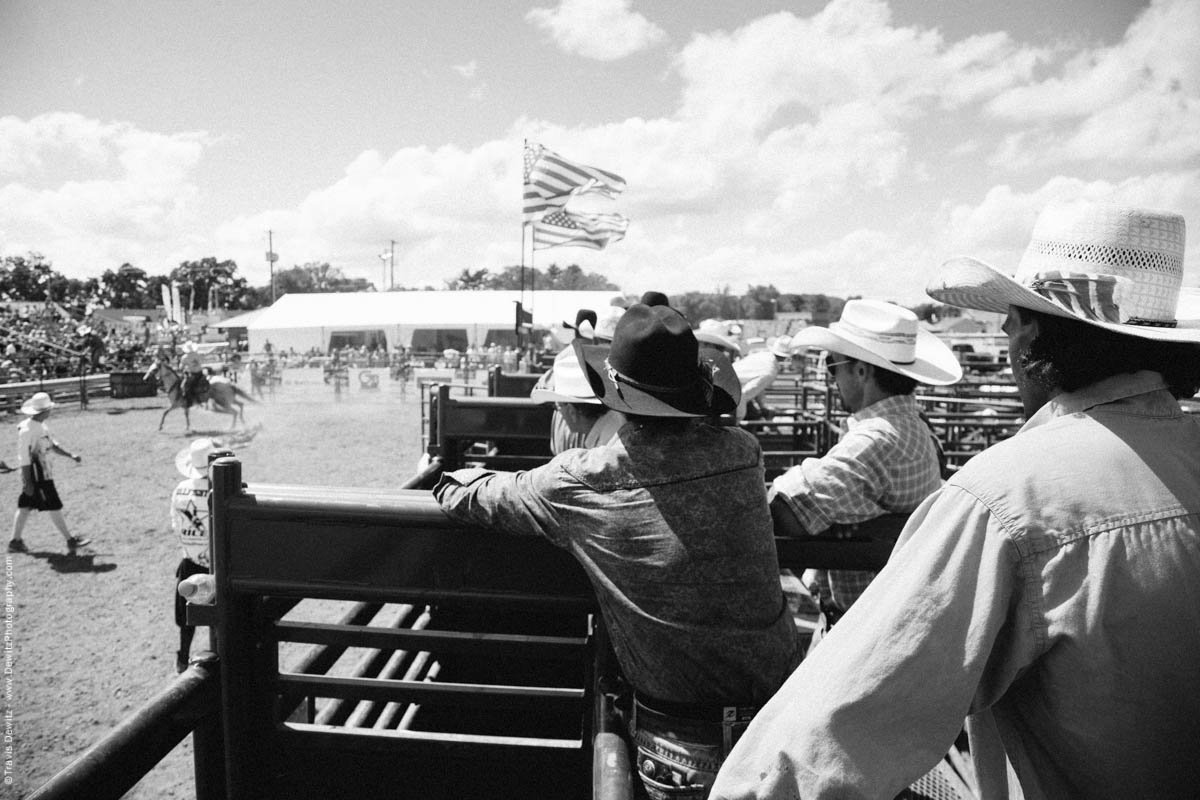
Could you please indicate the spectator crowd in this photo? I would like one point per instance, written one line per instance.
(40, 341)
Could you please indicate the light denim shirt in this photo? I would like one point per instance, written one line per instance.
(1052, 588)
(675, 535)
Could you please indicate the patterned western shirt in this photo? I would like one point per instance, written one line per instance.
(674, 532)
(886, 462)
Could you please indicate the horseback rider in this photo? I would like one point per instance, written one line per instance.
(194, 381)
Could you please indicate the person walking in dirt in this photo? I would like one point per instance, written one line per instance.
(38, 492)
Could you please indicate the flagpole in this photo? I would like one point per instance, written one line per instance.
(521, 294)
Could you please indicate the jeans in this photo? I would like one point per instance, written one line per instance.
(678, 758)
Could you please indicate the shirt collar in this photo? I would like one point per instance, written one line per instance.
(1108, 390)
(888, 406)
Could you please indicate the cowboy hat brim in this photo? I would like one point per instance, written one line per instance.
(933, 363)
(969, 283)
(549, 396)
(566, 371)
(183, 461)
(628, 399)
(29, 409)
(183, 464)
(724, 342)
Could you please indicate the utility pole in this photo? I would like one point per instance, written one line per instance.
(392, 267)
(272, 257)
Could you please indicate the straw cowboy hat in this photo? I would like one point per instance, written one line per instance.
(887, 336)
(1114, 267)
(37, 404)
(564, 383)
(192, 461)
(653, 368)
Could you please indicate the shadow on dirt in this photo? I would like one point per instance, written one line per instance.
(73, 562)
(115, 411)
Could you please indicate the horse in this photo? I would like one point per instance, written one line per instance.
(223, 394)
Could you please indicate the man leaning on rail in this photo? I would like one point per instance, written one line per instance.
(888, 459)
(671, 524)
(1050, 589)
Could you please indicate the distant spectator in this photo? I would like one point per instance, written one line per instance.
(38, 492)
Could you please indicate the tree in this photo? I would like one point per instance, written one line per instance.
(470, 281)
(198, 279)
(126, 287)
(759, 302)
(25, 277)
(317, 276)
(514, 276)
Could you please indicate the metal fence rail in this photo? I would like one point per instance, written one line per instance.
(115, 764)
(63, 390)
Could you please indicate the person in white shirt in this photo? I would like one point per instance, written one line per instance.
(38, 492)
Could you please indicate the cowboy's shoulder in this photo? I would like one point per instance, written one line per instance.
(600, 468)
(1031, 465)
(737, 440)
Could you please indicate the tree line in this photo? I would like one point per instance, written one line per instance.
(210, 283)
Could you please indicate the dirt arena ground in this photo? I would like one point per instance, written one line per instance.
(89, 640)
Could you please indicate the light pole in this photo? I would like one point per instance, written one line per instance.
(272, 257)
(384, 257)
(389, 256)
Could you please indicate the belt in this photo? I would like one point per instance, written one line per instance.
(696, 712)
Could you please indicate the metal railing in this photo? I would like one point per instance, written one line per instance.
(115, 764)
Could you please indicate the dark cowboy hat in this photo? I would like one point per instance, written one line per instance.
(653, 368)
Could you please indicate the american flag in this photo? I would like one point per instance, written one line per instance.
(568, 228)
(550, 179)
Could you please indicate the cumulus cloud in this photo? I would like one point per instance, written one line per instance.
(128, 188)
(414, 196)
(605, 30)
(837, 152)
(1137, 100)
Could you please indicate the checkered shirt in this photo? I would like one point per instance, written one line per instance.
(885, 462)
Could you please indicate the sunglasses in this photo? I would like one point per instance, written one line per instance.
(830, 367)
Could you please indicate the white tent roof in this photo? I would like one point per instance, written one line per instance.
(424, 309)
(241, 320)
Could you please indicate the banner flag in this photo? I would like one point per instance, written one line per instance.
(550, 179)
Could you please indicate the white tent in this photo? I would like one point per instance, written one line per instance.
(428, 319)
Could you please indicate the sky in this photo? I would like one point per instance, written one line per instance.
(847, 147)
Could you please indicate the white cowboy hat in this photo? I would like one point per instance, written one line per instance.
(565, 382)
(37, 404)
(781, 346)
(887, 336)
(192, 461)
(1111, 266)
(714, 332)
